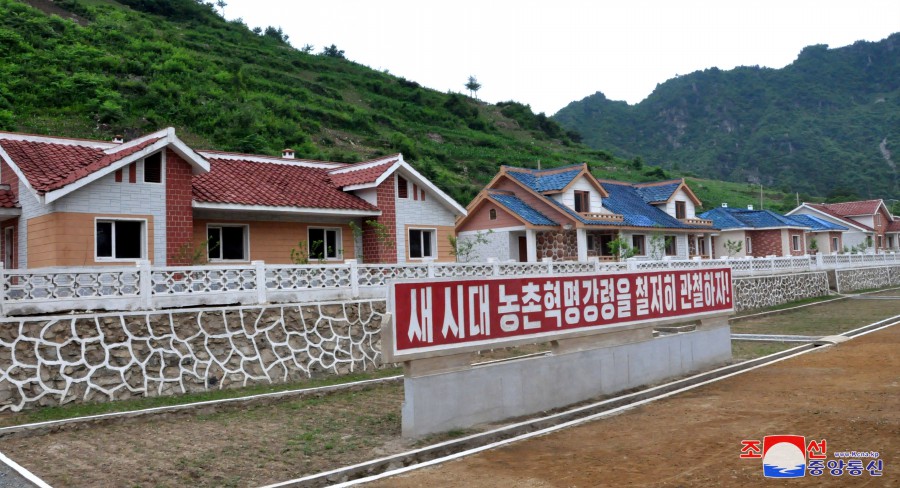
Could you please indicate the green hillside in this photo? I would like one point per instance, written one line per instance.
(824, 125)
(95, 68)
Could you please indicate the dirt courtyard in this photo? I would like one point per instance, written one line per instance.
(848, 395)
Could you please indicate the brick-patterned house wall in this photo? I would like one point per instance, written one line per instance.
(765, 243)
(375, 251)
(8, 177)
(179, 214)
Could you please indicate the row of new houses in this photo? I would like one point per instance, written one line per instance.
(68, 202)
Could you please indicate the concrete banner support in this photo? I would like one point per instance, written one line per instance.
(601, 329)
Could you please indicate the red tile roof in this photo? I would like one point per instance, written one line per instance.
(826, 209)
(847, 209)
(49, 166)
(894, 226)
(360, 176)
(8, 199)
(245, 182)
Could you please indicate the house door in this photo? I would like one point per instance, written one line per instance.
(8, 247)
(523, 249)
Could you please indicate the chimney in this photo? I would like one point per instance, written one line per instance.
(287, 153)
(724, 204)
(117, 139)
(749, 207)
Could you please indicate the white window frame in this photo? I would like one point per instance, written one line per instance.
(748, 243)
(113, 259)
(219, 226)
(834, 245)
(433, 249)
(674, 245)
(338, 249)
(795, 242)
(162, 169)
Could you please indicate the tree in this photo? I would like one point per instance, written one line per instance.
(733, 247)
(307, 48)
(276, 33)
(473, 86)
(463, 247)
(620, 248)
(221, 4)
(332, 51)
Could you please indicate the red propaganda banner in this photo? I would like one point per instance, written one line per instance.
(432, 315)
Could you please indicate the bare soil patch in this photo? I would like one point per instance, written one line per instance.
(257, 445)
(848, 394)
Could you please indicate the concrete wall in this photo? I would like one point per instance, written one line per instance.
(768, 291)
(502, 244)
(460, 399)
(850, 280)
(102, 357)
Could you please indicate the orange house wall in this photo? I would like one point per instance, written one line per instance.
(481, 220)
(532, 201)
(272, 241)
(67, 239)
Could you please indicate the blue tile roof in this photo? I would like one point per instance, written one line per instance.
(732, 218)
(522, 209)
(816, 224)
(658, 193)
(540, 181)
(628, 201)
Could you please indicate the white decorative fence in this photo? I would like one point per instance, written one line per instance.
(143, 287)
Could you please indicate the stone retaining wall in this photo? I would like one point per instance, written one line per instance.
(115, 356)
(849, 280)
(768, 291)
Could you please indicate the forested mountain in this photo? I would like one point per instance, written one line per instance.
(827, 124)
(96, 68)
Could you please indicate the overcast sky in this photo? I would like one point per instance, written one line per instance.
(549, 53)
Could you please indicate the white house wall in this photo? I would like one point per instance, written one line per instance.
(582, 184)
(502, 245)
(104, 196)
(426, 214)
(689, 209)
(853, 237)
(732, 235)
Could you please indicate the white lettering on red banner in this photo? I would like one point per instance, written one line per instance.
(447, 313)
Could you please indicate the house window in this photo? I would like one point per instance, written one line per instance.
(492, 214)
(421, 243)
(582, 201)
(795, 241)
(671, 246)
(119, 239)
(749, 246)
(402, 187)
(325, 243)
(9, 247)
(153, 168)
(834, 244)
(590, 243)
(227, 242)
(680, 210)
(701, 246)
(890, 242)
(637, 242)
(879, 242)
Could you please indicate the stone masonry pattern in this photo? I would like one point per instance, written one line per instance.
(768, 291)
(867, 278)
(105, 357)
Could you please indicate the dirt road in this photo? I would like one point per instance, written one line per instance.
(848, 395)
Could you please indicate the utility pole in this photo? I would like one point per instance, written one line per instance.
(760, 196)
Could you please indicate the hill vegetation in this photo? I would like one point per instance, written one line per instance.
(828, 124)
(96, 68)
